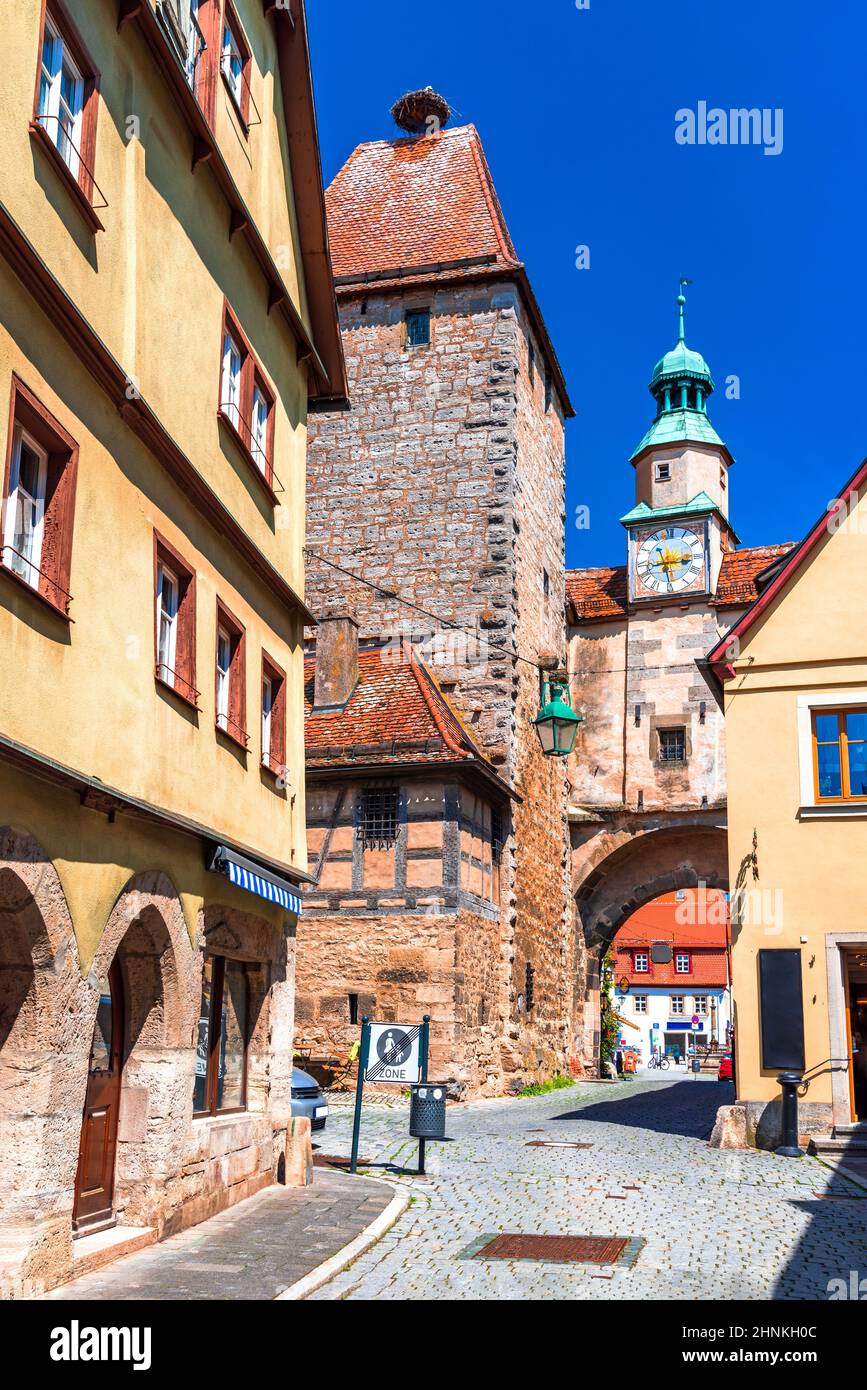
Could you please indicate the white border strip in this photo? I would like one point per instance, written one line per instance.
(302, 1288)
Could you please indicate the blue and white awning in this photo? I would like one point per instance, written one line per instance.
(253, 878)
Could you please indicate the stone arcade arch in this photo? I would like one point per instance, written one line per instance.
(42, 1065)
(623, 867)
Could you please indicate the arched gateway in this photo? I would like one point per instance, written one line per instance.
(623, 866)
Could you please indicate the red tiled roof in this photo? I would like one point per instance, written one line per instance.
(708, 971)
(598, 593)
(690, 921)
(397, 713)
(415, 202)
(601, 594)
(740, 568)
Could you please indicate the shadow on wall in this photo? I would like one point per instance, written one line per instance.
(688, 1108)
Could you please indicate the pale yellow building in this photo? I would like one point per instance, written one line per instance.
(166, 322)
(794, 675)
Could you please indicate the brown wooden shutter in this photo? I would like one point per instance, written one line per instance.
(186, 640)
(238, 685)
(56, 560)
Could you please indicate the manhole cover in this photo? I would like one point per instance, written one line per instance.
(595, 1250)
(555, 1144)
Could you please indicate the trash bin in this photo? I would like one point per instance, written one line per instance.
(696, 1064)
(427, 1110)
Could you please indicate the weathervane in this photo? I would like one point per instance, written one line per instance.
(681, 300)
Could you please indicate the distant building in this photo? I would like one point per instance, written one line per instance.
(662, 997)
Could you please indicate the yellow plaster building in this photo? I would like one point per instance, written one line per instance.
(794, 675)
(167, 320)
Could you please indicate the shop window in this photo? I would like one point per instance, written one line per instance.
(273, 717)
(38, 499)
(231, 702)
(377, 817)
(175, 616)
(221, 1053)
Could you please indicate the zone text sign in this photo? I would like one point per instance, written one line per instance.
(394, 1053)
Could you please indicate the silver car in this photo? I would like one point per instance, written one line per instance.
(307, 1099)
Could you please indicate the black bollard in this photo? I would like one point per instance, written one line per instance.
(790, 1081)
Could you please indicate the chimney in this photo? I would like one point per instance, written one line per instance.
(336, 661)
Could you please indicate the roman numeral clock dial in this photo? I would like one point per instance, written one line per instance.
(669, 561)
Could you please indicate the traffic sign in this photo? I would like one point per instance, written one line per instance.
(394, 1053)
(695, 1020)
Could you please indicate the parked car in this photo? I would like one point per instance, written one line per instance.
(726, 1068)
(307, 1099)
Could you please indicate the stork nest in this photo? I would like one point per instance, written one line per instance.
(413, 111)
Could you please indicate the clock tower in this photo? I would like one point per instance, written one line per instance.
(679, 529)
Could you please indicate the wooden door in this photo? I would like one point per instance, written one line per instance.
(94, 1181)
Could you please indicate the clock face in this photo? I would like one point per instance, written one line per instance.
(669, 561)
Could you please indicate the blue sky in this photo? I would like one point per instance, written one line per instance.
(576, 110)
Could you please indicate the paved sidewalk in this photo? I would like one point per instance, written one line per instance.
(254, 1250)
(710, 1224)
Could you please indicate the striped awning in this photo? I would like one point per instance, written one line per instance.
(254, 878)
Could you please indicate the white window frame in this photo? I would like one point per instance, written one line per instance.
(28, 566)
(678, 1005)
(223, 678)
(645, 968)
(51, 102)
(259, 428)
(231, 54)
(701, 1005)
(267, 712)
(230, 390)
(678, 968)
(811, 808)
(166, 658)
(640, 1003)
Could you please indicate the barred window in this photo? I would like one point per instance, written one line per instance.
(672, 745)
(377, 822)
(496, 836)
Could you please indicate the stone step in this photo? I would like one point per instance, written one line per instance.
(838, 1144)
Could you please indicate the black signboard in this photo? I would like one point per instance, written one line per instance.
(782, 1010)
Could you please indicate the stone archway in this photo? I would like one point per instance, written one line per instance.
(147, 934)
(42, 1066)
(622, 868)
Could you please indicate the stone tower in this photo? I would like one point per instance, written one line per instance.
(443, 486)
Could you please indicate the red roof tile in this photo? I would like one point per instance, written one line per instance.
(708, 970)
(597, 593)
(740, 569)
(397, 713)
(416, 202)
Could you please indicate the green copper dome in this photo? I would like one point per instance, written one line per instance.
(680, 362)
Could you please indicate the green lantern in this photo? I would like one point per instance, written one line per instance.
(557, 723)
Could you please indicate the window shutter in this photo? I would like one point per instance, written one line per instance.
(278, 724)
(238, 686)
(56, 562)
(186, 643)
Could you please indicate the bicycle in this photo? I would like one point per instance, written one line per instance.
(659, 1062)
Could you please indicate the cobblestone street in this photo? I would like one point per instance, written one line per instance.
(715, 1224)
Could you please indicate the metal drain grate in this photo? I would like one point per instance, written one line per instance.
(595, 1250)
(556, 1144)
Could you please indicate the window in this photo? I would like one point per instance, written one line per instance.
(546, 583)
(175, 635)
(246, 401)
(840, 754)
(701, 1005)
(221, 1054)
(66, 103)
(273, 717)
(236, 64)
(682, 963)
(417, 328)
(38, 499)
(549, 389)
(531, 365)
(672, 745)
(231, 699)
(377, 817)
(640, 962)
(663, 472)
(641, 1003)
(497, 834)
(353, 1008)
(677, 1002)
